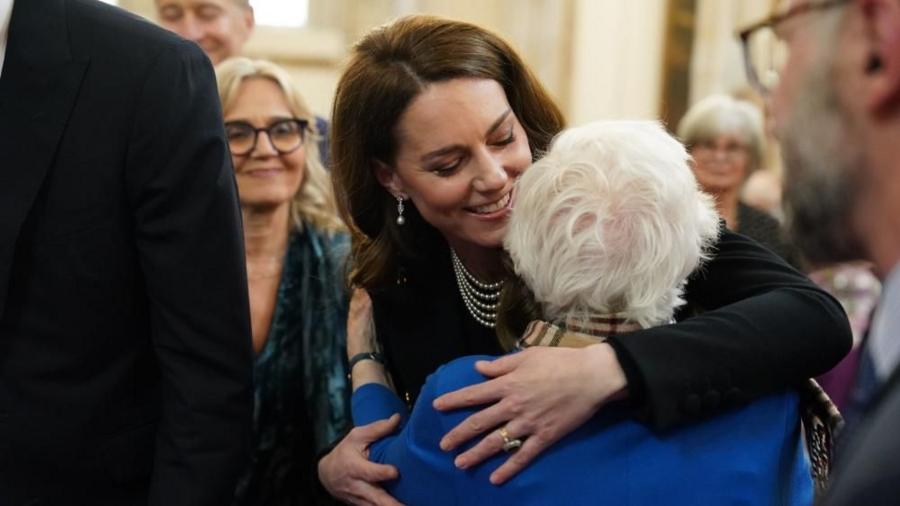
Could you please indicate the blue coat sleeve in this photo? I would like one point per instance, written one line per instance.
(373, 402)
(426, 472)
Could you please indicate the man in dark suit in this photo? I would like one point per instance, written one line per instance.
(837, 112)
(125, 356)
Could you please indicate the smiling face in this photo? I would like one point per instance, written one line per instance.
(219, 27)
(460, 149)
(265, 178)
(721, 165)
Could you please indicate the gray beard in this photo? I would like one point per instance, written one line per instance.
(820, 158)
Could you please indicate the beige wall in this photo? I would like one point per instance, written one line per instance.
(617, 59)
(312, 55)
(718, 65)
(598, 58)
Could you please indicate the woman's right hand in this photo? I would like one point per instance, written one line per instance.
(347, 473)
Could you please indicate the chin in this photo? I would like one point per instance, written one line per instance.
(264, 203)
(493, 239)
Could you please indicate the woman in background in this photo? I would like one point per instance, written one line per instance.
(725, 136)
(296, 247)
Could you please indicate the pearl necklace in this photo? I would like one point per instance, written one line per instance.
(480, 298)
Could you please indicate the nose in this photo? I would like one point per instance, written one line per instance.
(190, 28)
(264, 147)
(491, 175)
(720, 155)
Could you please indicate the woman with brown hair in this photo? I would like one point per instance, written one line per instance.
(433, 122)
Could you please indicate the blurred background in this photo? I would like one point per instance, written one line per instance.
(599, 58)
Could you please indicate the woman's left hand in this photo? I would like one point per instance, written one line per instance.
(540, 395)
(360, 326)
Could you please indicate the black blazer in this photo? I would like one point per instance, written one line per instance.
(868, 465)
(765, 326)
(125, 349)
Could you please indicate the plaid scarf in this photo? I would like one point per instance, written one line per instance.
(577, 332)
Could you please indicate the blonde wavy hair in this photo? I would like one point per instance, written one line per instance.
(314, 202)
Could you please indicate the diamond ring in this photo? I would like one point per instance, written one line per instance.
(509, 443)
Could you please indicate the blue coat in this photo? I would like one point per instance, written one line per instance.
(753, 455)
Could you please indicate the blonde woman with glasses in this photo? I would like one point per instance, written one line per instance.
(295, 247)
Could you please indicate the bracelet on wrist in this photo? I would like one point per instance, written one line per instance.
(367, 355)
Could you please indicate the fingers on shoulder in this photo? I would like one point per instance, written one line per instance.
(374, 430)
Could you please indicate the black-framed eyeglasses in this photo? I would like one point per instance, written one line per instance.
(764, 48)
(285, 135)
(707, 151)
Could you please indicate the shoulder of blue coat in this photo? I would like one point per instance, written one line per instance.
(458, 373)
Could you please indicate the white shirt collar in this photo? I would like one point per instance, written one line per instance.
(884, 336)
(5, 15)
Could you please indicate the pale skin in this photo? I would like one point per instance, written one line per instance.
(460, 149)
(870, 99)
(219, 27)
(721, 167)
(267, 181)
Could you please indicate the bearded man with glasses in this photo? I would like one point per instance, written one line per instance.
(832, 72)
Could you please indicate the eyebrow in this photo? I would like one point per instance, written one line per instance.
(449, 149)
(208, 6)
(271, 120)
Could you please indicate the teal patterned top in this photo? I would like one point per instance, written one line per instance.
(301, 389)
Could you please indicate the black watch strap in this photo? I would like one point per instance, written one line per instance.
(368, 355)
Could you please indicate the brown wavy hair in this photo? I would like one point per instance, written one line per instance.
(388, 68)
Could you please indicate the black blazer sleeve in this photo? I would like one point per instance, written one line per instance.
(187, 223)
(766, 327)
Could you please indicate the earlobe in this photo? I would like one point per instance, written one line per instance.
(250, 19)
(882, 20)
(388, 178)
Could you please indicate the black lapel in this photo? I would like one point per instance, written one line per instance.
(38, 87)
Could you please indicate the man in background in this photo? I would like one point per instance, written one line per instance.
(837, 112)
(219, 27)
(125, 350)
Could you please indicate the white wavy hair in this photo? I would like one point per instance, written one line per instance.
(611, 220)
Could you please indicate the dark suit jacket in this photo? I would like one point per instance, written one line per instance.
(125, 355)
(765, 326)
(868, 471)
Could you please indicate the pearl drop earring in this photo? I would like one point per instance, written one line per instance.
(400, 219)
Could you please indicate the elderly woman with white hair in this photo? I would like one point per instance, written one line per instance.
(725, 136)
(606, 229)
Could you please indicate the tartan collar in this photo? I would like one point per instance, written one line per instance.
(576, 333)
(602, 326)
